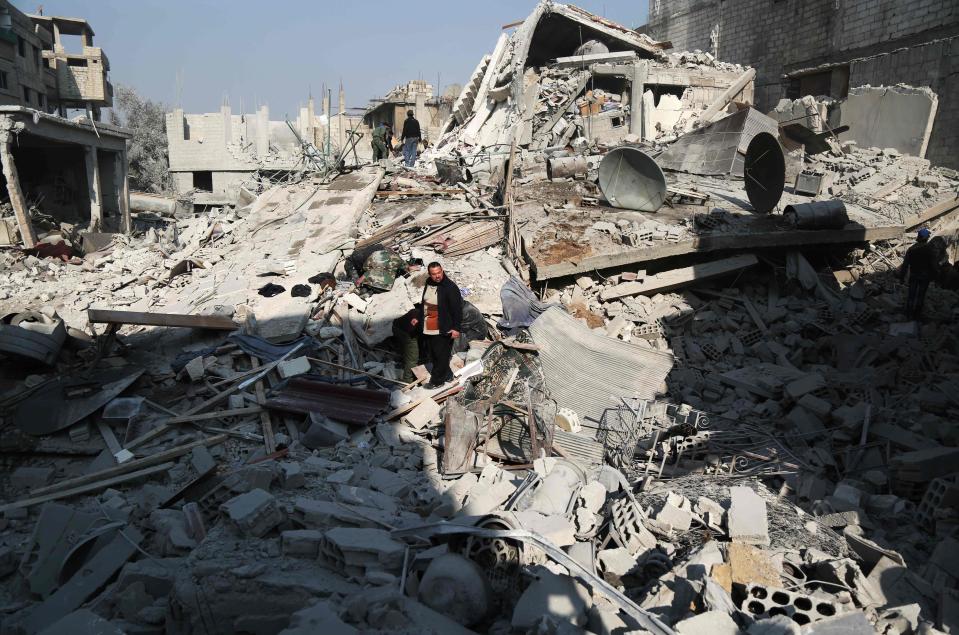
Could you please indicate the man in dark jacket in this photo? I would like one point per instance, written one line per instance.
(921, 263)
(442, 319)
(411, 138)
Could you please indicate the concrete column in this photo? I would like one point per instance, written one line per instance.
(27, 232)
(262, 132)
(93, 187)
(123, 191)
(421, 112)
(640, 70)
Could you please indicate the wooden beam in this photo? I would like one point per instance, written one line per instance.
(932, 212)
(266, 421)
(512, 24)
(215, 322)
(449, 190)
(131, 466)
(87, 488)
(27, 233)
(679, 277)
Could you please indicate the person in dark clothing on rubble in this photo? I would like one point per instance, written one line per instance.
(921, 265)
(442, 321)
(408, 336)
(382, 141)
(410, 138)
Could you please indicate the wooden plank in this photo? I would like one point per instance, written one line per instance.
(356, 370)
(87, 488)
(680, 277)
(235, 412)
(130, 466)
(390, 193)
(266, 422)
(216, 322)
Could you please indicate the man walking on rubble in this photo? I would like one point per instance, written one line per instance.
(410, 139)
(442, 318)
(381, 141)
(920, 263)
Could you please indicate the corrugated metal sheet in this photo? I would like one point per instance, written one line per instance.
(589, 372)
(719, 147)
(356, 406)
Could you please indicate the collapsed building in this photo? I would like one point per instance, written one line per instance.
(71, 170)
(826, 49)
(686, 399)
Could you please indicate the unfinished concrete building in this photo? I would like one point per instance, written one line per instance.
(828, 48)
(213, 154)
(72, 170)
(417, 95)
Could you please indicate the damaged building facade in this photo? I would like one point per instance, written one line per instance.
(73, 170)
(827, 48)
(417, 95)
(213, 155)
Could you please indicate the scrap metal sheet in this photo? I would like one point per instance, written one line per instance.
(589, 372)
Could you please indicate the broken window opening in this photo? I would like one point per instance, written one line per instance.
(26, 95)
(76, 61)
(659, 90)
(4, 84)
(203, 181)
(21, 47)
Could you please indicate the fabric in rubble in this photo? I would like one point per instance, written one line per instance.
(520, 306)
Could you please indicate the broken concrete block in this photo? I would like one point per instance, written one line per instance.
(254, 513)
(157, 575)
(236, 402)
(422, 415)
(195, 369)
(556, 528)
(82, 621)
(593, 496)
(846, 498)
(673, 517)
(561, 598)
(805, 384)
(389, 483)
(32, 477)
(708, 623)
(819, 407)
(357, 547)
(301, 543)
(291, 475)
(747, 517)
(324, 432)
(485, 498)
(292, 367)
(615, 564)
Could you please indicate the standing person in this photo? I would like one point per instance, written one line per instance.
(442, 322)
(920, 263)
(411, 138)
(380, 141)
(407, 331)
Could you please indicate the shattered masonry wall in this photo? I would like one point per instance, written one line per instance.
(779, 38)
(925, 65)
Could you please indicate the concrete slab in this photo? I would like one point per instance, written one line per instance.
(899, 117)
(747, 517)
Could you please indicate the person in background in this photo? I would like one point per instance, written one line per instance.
(921, 264)
(407, 333)
(378, 142)
(442, 322)
(411, 138)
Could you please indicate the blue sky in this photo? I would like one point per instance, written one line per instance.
(274, 52)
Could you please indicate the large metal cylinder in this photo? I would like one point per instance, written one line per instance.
(817, 215)
(562, 167)
(143, 202)
(631, 179)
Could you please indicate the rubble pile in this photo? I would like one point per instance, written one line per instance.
(214, 423)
